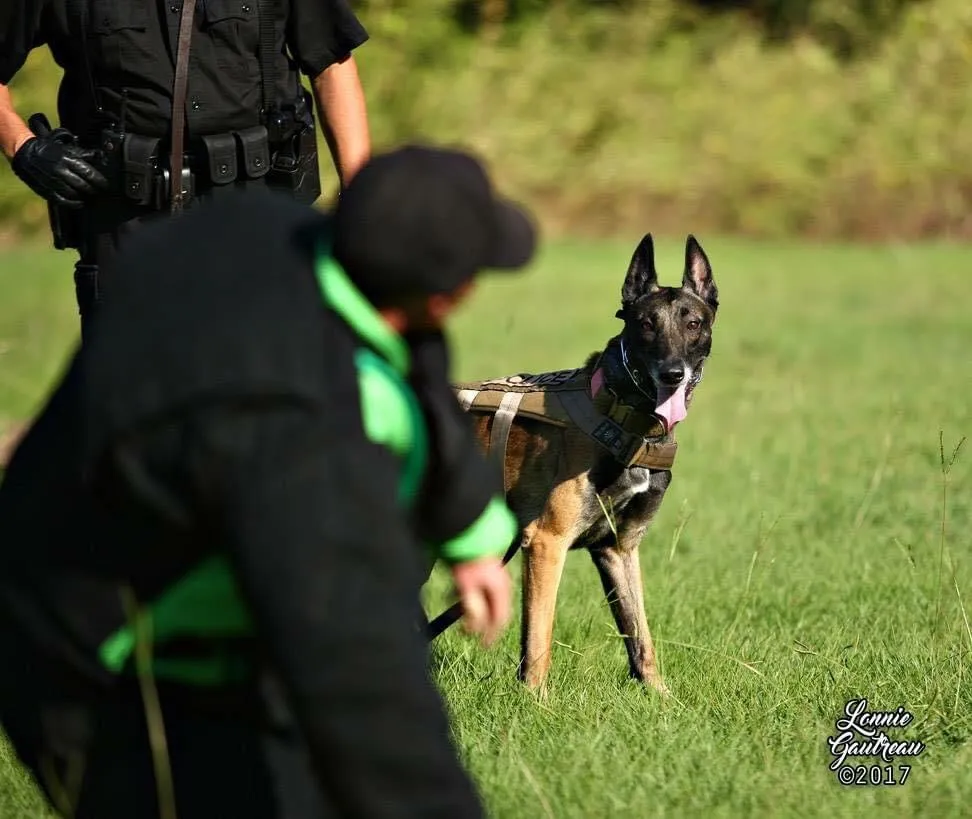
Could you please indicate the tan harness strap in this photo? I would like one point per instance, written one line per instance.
(466, 398)
(499, 435)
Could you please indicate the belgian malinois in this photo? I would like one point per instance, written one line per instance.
(570, 492)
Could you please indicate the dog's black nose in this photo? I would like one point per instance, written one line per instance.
(672, 375)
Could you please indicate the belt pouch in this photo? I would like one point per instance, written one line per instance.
(138, 166)
(221, 151)
(255, 151)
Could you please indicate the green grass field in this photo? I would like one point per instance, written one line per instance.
(798, 561)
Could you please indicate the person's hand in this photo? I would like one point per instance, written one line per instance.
(57, 170)
(484, 589)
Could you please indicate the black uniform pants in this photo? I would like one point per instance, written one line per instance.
(103, 227)
(93, 760)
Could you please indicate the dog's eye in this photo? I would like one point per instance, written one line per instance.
(694, 324)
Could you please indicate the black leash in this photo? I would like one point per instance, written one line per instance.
(453, 614)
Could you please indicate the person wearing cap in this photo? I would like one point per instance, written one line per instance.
(215, 532)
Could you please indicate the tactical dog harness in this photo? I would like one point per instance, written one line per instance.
(585, 398)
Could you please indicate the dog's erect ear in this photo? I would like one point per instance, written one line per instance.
(698, 273)
(641, 278)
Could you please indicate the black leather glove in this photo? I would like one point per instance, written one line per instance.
(58, 170)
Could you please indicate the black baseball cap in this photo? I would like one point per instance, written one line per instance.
(420, 220)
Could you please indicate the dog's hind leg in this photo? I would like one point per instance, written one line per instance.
(620, 570)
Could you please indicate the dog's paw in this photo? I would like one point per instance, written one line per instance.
(654, 682)
(663, 690)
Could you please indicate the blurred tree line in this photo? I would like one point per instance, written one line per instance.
(847, 27)
(825, 118)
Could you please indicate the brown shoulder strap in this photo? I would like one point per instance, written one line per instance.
(179, 88)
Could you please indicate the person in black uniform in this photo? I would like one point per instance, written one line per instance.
(245, 118)
(213, 538)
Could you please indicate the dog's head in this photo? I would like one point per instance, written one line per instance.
(667, 330)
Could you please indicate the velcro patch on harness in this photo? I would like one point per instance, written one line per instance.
(540, 395)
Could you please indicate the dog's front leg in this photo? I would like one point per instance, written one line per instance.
(620, 570)
(543, 566)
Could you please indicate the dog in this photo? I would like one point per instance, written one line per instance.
(587, 454)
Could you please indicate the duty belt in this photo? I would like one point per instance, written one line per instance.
(218, 159)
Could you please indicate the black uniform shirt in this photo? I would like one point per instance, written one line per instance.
(131, 46)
